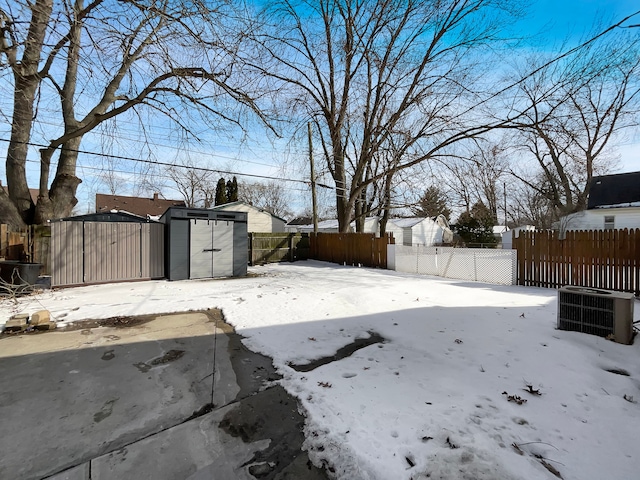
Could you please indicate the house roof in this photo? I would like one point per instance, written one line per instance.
(413, 221)
(136, 205)
(301, 221)
(331, 224)
(407, 222)
(234, 205)
(621, 190)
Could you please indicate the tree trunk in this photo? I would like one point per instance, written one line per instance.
(8, 212)
(344, 205)
(387, 205)
(60, 199)
(27, 80)
(24, 96)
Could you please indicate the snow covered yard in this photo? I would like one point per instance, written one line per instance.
(432, 400)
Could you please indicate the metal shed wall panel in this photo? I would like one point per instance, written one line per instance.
(178, 250)
(240, 249)
(152, 250)
(66, 253)
(111, 251)
(100, 252)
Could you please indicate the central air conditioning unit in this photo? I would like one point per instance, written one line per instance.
(604, 313)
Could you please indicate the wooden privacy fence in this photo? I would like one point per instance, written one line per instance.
(277, 247)
(31, 244)
(358, 249)
(607, 259)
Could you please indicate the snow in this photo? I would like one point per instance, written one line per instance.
(619, 205)
(395, 410)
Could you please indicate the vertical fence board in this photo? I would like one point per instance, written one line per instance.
(598, 259)
(357, 249)
(277, 247)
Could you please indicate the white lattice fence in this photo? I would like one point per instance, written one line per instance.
(476, 264)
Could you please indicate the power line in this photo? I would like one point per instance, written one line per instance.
(170, 147)
(167, 164)
(161, 175)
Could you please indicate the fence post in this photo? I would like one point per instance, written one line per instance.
(290, 243)
(475, 267)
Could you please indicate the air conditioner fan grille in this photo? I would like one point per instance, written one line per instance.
(586, 314)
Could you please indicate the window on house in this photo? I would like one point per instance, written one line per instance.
(609, 222)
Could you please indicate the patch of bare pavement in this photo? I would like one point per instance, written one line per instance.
(173, 396)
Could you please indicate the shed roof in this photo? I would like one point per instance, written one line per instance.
(621, 190)
(115, 216)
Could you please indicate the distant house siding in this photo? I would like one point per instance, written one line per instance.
(395, 230)
(423, 232)
(627, 217)
(426, 232)
(258, 221)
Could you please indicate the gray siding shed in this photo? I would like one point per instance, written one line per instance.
(203, 243)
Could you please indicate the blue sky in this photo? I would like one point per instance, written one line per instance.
(576, 17)
(573, 20)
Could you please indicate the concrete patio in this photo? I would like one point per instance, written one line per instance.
(159, 396)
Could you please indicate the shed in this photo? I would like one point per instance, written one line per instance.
(204, 243)
(105, 247)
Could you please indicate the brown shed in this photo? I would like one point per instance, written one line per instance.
(104, 248)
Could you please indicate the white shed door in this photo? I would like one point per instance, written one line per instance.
(211, 249)
(201, 248)
(222, 249)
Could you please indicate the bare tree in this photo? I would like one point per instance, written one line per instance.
(372, 73)
(102, 60)
(196, 185)
(271, 196)
(529, 207)
(575, 110)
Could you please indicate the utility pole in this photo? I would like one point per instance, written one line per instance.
(504, 189)
(314, 204)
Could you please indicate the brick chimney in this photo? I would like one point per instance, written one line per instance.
(155, 197)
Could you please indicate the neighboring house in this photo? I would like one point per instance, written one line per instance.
(144, 207)
(406, 231)
(508, 235)
(293, 225)
(614, 203)
(325, 226)
(426, 231)
(258, 219)
(499, 232)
